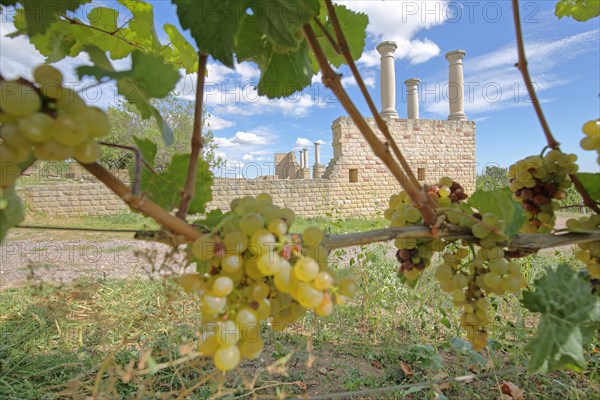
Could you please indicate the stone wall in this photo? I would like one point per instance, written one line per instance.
(355, 183)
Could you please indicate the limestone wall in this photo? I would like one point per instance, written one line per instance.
(355, 183)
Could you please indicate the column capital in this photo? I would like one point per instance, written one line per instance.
(411, 82)
(455, 56)
(387, 48)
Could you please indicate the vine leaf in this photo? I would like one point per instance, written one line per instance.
(281, 74)
(147, 148)
(591, 183)
(354, 26)
(39, 15)
(579, 10)
(570, 314)
(183, 52)
(149, 77)
(12, 212)
(213, 25)
(165, 187)
(500, 203)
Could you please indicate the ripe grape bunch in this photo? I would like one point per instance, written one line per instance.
(414, 255)
(591, 141)
(589, 253)
(249, 268)
(536, 182)
(48, 119)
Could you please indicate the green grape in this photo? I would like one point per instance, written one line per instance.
(492, 280)
(499, 266)
(228, 333)
(325, 309)
(444, 192)
(306, 269)
(446, 181)
(235, 242)
(480, 231)
(444, 273)
(246, 318)
(278, 227)
(323, 281)
(460, 281)
(347, 287)
(232, 263)
(68, 131)
(287, 215)
(512, 283)
(96, 122)
(269, 264)
(12, 137)
(37, 127)
(222, 286)
(260, 291)
(309, 297)
(262, 242)
(250, 223)
(592, 128)
(282, 278)
(11, 155)
(264, 198)
(207, 344)
(18, 99)
(227, 358)
(412, 215)
(52, 151)
(69, 102)
(44, 74)
(264, 309)
(213, 304)
(203, 248)
(312, 236)
(87, 152)
(251, 349)
(590, 143)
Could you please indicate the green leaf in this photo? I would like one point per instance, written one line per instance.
(40, 14)
(570, 314)
(213, 25)
(579, 10)
(354, 27)
(211, 219)
(148, 149)
(164, 188)
(149, 77)
(500, 203)
(281, 20)
(141, 27)
(183, 51)
(281, 74)
(591, 183)
(12, 211)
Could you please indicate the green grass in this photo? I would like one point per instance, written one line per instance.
(80, 339)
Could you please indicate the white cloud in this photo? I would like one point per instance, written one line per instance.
(215, 123)
(302, 143)
(400, 21)
(241, 139)
(493, 83)
(248, 157)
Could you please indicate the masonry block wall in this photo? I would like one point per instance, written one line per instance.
(355, 183)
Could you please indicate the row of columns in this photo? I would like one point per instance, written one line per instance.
(387, 84)
(317, 168)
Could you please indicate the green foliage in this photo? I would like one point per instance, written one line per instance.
(570, 314)
(492, 178)
(164, 188)
(501, 204)
(591, 183)
(149, 77)
(183, 52)
(39, 16)
(354, 26)
(12, 211)
(579, 10)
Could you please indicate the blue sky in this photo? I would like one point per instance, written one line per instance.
(564, 59)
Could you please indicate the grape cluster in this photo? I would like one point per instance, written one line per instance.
(536, 182)
(48, 119)
(249, 269)
(591, 141)
(589, 253)
(414, 255)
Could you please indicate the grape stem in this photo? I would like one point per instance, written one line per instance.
(474, 219)
(332, 81)
(187, 195)
(343, 47)
(143, 204)
(552, 143)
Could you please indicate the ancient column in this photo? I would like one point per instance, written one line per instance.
(306, 170)
(317, 169)
(301, 159)
(456, 85)
(387, 79)
(412, 101)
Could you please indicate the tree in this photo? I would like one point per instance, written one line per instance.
(126, 123)
(493, 177)
(248, 266)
